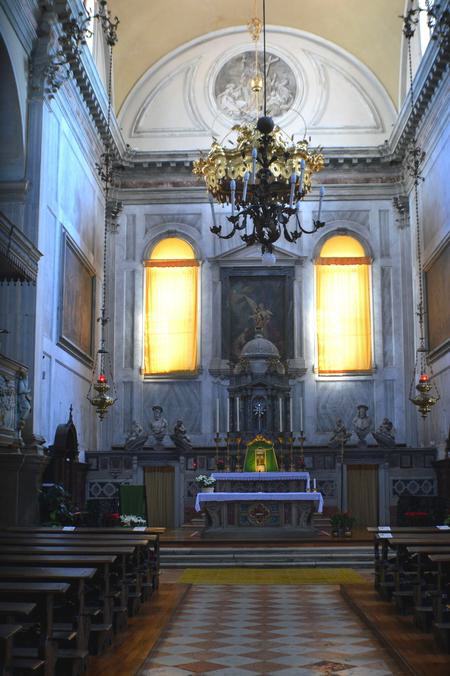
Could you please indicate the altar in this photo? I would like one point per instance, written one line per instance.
(254, 504)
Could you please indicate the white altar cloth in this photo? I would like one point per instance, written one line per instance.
(236, 497)
(259, 476)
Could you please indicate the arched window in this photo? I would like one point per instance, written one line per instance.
(171, 308)
(344, 334)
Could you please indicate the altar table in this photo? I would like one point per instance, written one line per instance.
(252, 514)
(261, 482)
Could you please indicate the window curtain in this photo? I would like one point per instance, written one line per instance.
(343, 315)
(170, 331)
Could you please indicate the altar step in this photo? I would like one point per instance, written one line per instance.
(263, 557)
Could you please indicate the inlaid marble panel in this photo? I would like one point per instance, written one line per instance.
(339, 400)
(178, 400)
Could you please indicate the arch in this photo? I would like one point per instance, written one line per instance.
(174, 104)
(171, 307)
(343, 306)
(343, 230)
(175, 229)
(12, 151)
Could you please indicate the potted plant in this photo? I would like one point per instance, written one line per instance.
(341, 524)
(206, 483)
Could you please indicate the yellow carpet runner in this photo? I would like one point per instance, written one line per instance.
(271, 576)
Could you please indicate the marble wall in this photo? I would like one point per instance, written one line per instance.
(370, 218)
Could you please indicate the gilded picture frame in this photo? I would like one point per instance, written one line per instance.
(77, 302)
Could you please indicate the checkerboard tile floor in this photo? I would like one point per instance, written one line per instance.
(248, 630)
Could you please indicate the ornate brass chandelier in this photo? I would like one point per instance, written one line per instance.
(263, 177)
(423, 391)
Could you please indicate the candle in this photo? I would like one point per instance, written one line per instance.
(233, 194)
(321, 193)
(302, 171)
(291, 195)
(213, 213)
(254, 157)
(291, 419)
(217, 416)
(238, 426)
(314, 484)
(301, 414)
(280, 404)
(228, 415)
(246, 180)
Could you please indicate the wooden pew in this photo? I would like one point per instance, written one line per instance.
(43, 594)
(441, 625)
(77, 578)
(7, 633)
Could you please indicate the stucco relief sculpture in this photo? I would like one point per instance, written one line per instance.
(137, 437)
(339, 436)
(7, 402)
(23, 401)
(180, 438)
(385, 434)
(362, 424)
(158, 427)
(233, 87)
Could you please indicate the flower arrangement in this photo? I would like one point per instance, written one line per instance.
(205, 481)
(129, 520)
(447, 521)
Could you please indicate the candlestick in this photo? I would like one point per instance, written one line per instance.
(238, 456)
(291, 453)
(238, 425)
(291, 419)
(217, 442)
(280, 404)
(301, 413)
(217, 416)
(301, 439)
(228, 465)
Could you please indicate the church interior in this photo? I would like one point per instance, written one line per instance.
(224, 337)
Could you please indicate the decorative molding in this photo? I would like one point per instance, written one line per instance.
(387, 316)
(415, 486)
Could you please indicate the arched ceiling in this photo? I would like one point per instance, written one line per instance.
(150, 29)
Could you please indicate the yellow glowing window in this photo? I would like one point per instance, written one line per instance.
(344, 334)
(171, 308)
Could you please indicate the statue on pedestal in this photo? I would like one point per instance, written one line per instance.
(362, 424)
(180, 438)
(385, 434)
(136, 439)
(158, 427)
(23, 401)
(339, 436)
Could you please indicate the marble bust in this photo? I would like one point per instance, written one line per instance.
(339, 436)
(362, 424)
(158, 427)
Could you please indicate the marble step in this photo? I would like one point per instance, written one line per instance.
(176, 557)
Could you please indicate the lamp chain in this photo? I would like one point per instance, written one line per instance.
(264, 57)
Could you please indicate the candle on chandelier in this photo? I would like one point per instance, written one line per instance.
(238, 425)
(217, 416)
(232, 194)
(302, 171)
(213, 213)
(291, 196)
(246, 180)
(254, 157)
(321, 193)
(280, 405)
